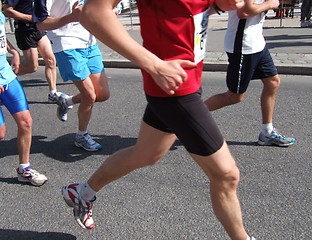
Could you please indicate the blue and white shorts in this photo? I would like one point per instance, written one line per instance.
(78, 64)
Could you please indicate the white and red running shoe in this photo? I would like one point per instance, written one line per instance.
(82, 209)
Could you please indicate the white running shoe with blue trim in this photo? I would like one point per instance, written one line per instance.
(62, 107)
(275, 138)
(86, 142)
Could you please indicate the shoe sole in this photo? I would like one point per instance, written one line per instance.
(65, 115)
(87, 149)
(62, 120)
(274, 144)
(26, 180)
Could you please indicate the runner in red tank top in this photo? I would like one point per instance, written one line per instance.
(174, 35)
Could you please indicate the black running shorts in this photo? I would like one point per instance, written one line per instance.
(188, 118)
(28, 38)
(243, 68)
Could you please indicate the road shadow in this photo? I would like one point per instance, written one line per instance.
(237, 143)
(10, 180)
(8, 234)
(255, 144)
(37, 82)
(284, 41)
(289, 37)
(63, 149)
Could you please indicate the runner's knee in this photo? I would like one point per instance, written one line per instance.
(50, 63)
(88, 99)
(235, 98)
(228, 181)
(25, 125)
(103, 96)
(272, 82)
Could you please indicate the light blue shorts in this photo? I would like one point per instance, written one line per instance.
(78, 64)
(13, 98)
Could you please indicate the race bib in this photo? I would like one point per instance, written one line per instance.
(200, 35)
(3, 48)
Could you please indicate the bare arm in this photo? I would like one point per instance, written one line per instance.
(251, 8)
(10, 12)
(51, 23)
(99, 18)
(228, 5)
(15, 62)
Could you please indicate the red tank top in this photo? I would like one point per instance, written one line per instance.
(175, 29)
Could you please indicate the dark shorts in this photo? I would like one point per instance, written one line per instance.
(188, 118)
(27, 38)
(243, 68)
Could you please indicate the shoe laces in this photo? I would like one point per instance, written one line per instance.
(29, 172)
(86, 205)
(78, 200)
(275, 133)
(87, 139)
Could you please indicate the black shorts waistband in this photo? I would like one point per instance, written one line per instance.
(18, 24)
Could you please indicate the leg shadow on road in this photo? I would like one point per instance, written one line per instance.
(237, 143)
(10, 180)
(64, 150)
(178, 143)
(9, 234)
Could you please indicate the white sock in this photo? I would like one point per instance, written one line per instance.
(21, 167)
(81, 132)
(52, 92)
(86, 192)
(267, 128)
(69, 101)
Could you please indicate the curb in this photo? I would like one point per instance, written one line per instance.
(208, 67)
(217, 67)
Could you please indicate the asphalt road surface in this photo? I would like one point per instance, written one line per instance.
(171, 199)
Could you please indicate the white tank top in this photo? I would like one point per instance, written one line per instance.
(244, 35)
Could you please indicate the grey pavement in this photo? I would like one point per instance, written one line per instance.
(289, 44)
(168, 201)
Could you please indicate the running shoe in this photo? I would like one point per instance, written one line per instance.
(82, 209)
(62, 107)
(86, 142)
(305, 24)
(275, 138)
(29, 175)
(53, 98)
